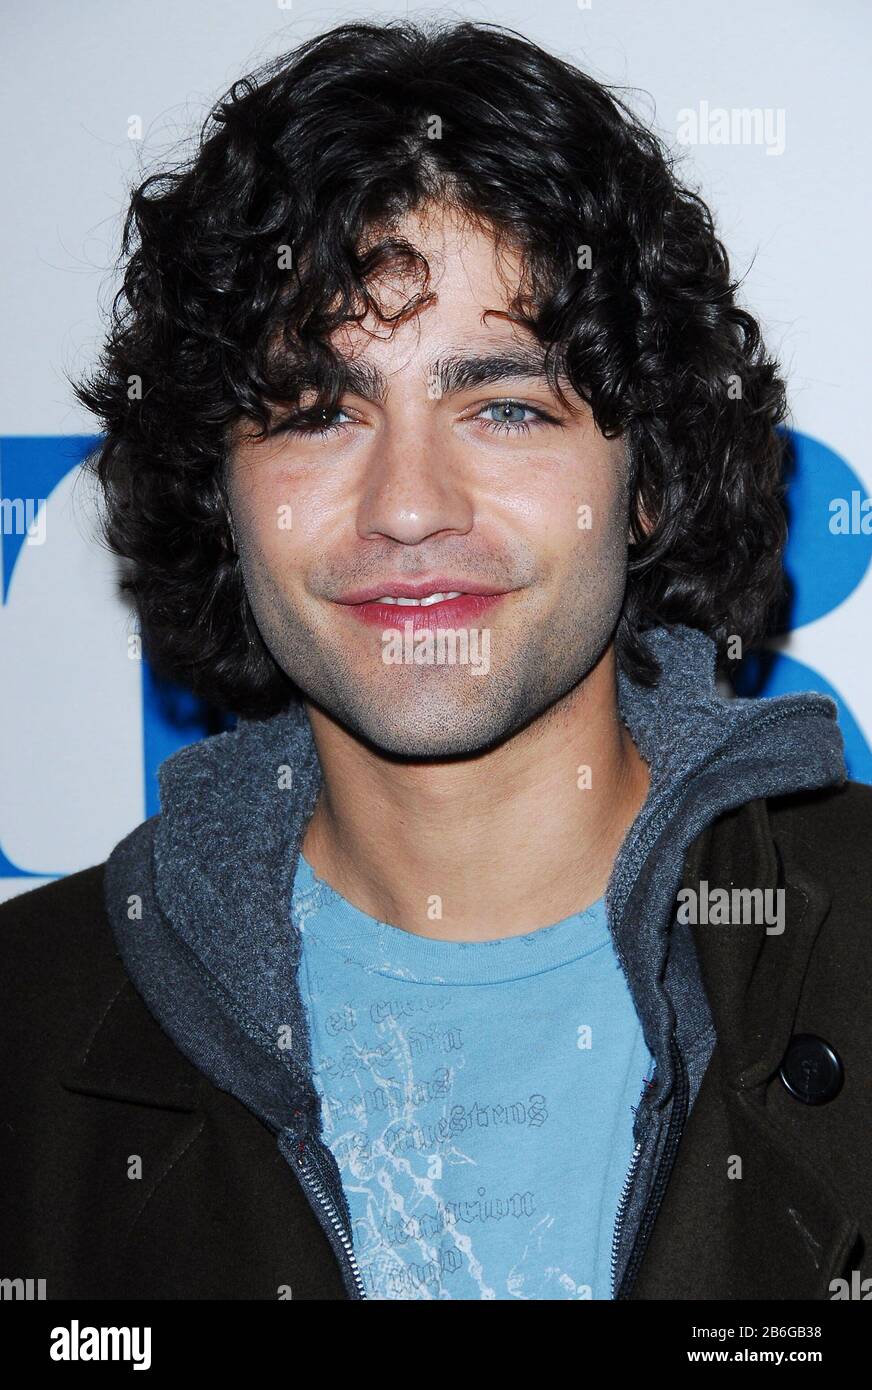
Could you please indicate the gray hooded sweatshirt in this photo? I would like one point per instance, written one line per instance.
(199, 899)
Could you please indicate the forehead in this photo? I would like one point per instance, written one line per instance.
(472, 282)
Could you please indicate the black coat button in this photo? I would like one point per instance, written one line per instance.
(812, 1070)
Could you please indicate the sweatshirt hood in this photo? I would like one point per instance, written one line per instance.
(219, 861)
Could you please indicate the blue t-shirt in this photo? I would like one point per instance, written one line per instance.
(478, 1098)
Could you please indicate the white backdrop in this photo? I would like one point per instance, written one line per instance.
(80, 736)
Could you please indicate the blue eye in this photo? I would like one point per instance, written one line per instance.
(507, 421)
(505, 409)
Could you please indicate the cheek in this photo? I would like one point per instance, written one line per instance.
(600, 511)
(279, 526)
(586, 534)
(579, 515)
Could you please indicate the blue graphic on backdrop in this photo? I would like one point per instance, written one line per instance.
(824, 564)
(827, 556)
(31, 467)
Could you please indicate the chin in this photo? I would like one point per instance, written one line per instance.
(419, 748)
(433, 732)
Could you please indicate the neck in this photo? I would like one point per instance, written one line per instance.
(488, 846)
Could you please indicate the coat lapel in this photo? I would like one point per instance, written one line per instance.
(119, 1062)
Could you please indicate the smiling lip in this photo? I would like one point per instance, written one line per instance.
(472, 601)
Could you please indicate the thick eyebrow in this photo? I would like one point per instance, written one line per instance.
(455, 372)
(462, 372)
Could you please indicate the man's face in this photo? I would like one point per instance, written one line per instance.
(444, 481)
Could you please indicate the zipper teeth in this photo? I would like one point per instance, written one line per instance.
(674, 1132)
(619, 1218)
(621, 1213)
(330, 1207)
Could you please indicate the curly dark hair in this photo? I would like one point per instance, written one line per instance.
(322, 151)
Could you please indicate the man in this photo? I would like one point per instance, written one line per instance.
(496, 953)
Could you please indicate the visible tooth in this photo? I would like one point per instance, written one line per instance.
(418, 602)
(438, 598)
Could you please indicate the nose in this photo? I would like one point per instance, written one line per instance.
(414, 487)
